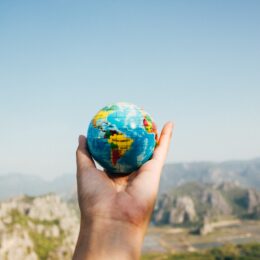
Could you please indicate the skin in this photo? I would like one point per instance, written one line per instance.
(115, 211)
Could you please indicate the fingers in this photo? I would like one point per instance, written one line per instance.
(84, 160)
(161, 150)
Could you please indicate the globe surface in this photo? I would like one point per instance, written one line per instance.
(121, 137)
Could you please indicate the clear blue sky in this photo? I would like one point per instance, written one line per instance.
(196, 63)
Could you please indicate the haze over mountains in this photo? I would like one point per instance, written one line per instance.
(245, 173)
(15, 184)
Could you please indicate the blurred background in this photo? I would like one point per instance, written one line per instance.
(195, 63)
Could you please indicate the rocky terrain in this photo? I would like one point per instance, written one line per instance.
(33, 228)
(46, 227)
(199, 204)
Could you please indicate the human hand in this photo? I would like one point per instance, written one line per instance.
(115, 211)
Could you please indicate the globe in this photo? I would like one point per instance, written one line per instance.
(121, 137)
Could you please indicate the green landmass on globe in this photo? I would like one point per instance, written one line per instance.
(121, 137)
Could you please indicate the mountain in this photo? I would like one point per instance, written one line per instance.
(43, 227)
(197, 203)
(46, 227)
(245, 173)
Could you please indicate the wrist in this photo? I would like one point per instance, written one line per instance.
(102, 238)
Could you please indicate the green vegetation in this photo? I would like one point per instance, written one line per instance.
(23, 220)
(43, 245)
(186, 256)
(227, 252)
(18, 218)
(237, 199)
(46, 222)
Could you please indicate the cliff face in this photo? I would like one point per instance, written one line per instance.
(173, 210)
(37, 228)
(183, 211)
(190, 203)
(252, 201)
(216, 202)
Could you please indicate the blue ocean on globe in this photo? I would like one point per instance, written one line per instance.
(121, 137)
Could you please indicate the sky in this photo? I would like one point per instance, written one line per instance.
(196, 63)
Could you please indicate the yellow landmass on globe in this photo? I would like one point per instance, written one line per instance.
(120, 145)
(102, 114)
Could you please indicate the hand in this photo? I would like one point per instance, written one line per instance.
(115, 211)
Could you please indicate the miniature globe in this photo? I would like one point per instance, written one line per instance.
(121, 137)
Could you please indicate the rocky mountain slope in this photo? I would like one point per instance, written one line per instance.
(46, 227)
(193, 203)
(34, 228)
